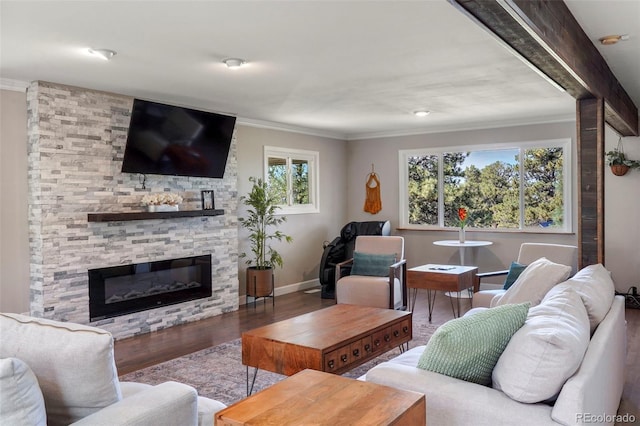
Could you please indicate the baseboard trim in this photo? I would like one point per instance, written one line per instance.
(286, 289)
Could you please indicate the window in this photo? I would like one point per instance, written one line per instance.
(523, 186)
(293, 175)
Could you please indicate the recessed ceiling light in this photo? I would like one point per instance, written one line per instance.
(421, 113)
(105, 54)
(234, 63)
(613, 39)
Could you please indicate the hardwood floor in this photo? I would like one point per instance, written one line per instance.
(143, 351)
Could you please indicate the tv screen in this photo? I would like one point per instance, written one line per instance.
(171, 140)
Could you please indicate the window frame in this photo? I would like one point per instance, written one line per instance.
(403, 192)
(313, 160)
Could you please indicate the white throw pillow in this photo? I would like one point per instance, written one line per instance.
(546, 351)
(533, 283)
(74, 364)
(21, 401)
(594, 285)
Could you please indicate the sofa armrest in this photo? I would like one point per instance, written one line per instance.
(597, 385)
(168, 403)
(456, 402)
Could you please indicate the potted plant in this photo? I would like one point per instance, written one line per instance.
(619, 162)
(262, 223)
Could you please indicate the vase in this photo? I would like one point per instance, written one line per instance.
(461, 235)
(163, 208)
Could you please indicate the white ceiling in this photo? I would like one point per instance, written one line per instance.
(346, 69)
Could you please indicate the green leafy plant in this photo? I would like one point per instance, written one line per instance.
(260, 222)
(618, 157)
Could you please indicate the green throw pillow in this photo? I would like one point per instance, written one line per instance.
(468, 348)
(514, 272)
(375, 265)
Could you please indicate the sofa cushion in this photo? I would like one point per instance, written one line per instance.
(376, 265)
(21, 401)
(74, 364)
(533, 283)
(468, 348)
(514, 272)
(596, 289)
(546, 351)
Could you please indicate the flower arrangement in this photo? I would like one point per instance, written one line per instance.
(167, 198)
(462, 215)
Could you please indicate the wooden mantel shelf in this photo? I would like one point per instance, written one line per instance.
(120, 217)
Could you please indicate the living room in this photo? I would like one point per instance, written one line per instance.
(344, 164)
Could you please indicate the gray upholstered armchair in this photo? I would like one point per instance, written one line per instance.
(378, 274)
(529, 252)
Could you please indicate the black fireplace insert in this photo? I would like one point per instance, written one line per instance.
(125, 289)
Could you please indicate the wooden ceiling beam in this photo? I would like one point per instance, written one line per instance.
(546, 34)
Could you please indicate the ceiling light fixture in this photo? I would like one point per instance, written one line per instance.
(105, 54)
(421, 113)
(234, 63)
(613, 39)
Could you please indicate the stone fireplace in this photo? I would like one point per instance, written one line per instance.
(76, 143)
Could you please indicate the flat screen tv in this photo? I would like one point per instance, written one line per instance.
(170, 140)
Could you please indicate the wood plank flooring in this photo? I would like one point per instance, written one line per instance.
(143, 351)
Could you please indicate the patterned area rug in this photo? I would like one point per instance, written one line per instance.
(218, 373)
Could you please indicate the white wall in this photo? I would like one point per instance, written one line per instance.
(302, 257)
(14, 230)
(622, 217)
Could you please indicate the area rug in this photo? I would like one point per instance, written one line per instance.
(218, 373)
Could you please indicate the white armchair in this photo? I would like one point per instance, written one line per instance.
(377, 275)
(529, 252)
(69, 373)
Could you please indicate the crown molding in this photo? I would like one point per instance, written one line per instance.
(455, 127)
(15, 85)
(290, 128)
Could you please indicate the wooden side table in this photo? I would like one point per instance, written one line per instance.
(433, 278)
(318, 398)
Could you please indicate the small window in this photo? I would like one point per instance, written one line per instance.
(293, 175)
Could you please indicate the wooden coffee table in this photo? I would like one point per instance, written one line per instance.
(314, 397)
(432, 277)
(333, 340)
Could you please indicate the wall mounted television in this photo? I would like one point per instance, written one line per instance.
(170, 140)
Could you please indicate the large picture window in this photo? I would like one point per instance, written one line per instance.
(523, 186)
(293, 176)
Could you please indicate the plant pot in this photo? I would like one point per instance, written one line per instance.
(619, 169)
(259, 282)
(163, 208)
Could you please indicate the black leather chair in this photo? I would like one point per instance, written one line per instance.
(341, 249)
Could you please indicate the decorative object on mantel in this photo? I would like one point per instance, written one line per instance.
(162, 202)
(619, 162)
(261, 215)
(207, 200)
(462, 215)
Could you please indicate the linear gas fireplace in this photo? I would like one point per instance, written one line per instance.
(124, 289)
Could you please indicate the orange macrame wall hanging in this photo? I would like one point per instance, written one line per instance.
(372, 202)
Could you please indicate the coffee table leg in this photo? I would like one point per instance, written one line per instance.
(253, 381)
(415, 296)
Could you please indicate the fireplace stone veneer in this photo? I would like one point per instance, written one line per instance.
(76, 140)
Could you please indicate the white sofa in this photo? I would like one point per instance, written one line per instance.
(57, 373)
(590, 396)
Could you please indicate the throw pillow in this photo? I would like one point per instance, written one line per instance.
(375, 265)
(533, 283)
(468, 348)
(21, 402)
(546, 351)
(74, 364)
(514, 272)
(596, 289)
